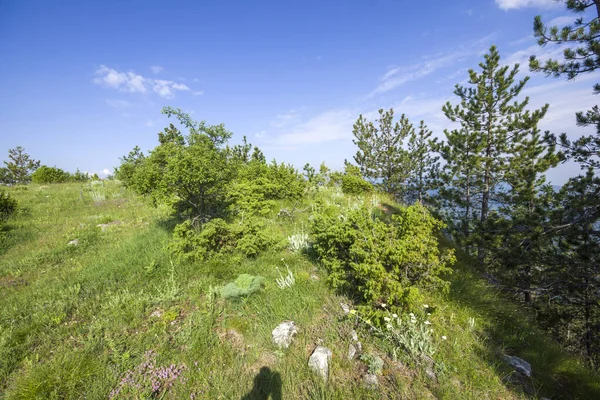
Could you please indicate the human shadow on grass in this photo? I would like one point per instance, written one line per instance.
(267, 384)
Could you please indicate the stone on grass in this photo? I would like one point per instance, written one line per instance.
(521, 366)
(345, 308)
(73, 242)
(351, 352)
(371, 381)
(319, 361)
(354, 335)
(284, 333)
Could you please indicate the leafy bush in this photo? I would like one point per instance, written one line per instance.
(374, 363)
(244, 285)
(218, 237)
(8, 205)
(353, 183)
(45, 174)
(380, 262)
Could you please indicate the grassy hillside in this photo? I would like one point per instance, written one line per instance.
(93, 306)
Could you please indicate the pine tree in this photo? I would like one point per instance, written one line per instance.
(20, 167)
(523, 219)
(460, 182)
(380, 156)
(489, 110)
(573, 277)
(423, 164)
(582, 58)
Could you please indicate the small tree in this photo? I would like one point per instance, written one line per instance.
(422, 162)
(380, 155)
(19, 168)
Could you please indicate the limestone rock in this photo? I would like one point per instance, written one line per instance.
(371, 381)
(319, 361)
(351, 352)
(284, 333)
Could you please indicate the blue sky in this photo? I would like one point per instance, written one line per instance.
(83, 82)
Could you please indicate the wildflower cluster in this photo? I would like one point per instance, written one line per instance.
(285, 281)
(298, 241)
(148, 379)
(407, 332)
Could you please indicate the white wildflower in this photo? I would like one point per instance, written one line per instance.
(427, 323)
(444, 338)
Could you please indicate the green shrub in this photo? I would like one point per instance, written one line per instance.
(352, 181)
(244, 285)
(379, 262)
(8, 205)
(218, 237)
(353, 185)
(45, 174)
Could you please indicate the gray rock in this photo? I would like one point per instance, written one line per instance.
(319, 361)
(351, 352)
(430, 373)
(359, 347)
(354, 335)
(371, 381)
(284, 333)
(345, 308)
(521, 366)
(73, 242)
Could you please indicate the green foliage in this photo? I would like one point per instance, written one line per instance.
(477, 155)
(45, 174)
(258, 185)
(583, 57)
(374, 363)
(8, 205)
(379, 262)
(380, 154)
(243, 286)
(352, 183)
(249, 238)
(423, 165)
(79, 176)
(19, 168)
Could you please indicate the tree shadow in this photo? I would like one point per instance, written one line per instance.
(512, 329)
(266, 384)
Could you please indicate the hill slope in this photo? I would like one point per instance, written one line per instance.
(92, 305)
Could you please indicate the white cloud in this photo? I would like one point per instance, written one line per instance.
(106, 171)
(260, 134)
(398, 76)
(516, 4)
(125, 81)
(134, 83)
(118, 103)
(325, 127)
(199, 93)
(560, 21)
(157, 69)
(286, 119)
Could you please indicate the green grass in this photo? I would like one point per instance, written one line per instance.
(75, 319)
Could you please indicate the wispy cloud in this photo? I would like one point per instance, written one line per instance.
(286, 119)
(199, 93)
(563, 20)
(156, 69)
(118, 103)
(328, 126)
(516, 4)
(398, 76)
(135, 83)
